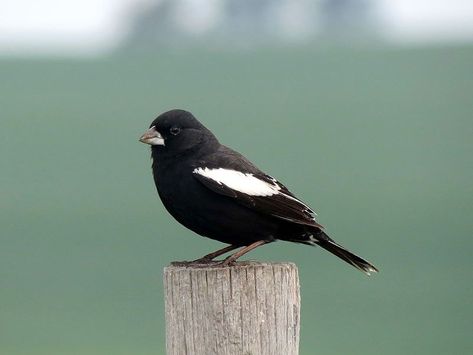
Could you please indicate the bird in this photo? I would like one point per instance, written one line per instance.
(218, 193)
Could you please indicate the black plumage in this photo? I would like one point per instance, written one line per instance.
(218, 193)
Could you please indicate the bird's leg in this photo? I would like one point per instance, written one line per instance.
(232, 258)
(209, 257)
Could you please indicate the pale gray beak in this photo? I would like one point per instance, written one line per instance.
(152, 137)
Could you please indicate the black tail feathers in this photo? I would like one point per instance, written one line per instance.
(327, 243)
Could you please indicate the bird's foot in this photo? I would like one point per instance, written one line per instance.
(229, 261)
(202, 262)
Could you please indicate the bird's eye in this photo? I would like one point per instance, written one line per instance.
(175, 131)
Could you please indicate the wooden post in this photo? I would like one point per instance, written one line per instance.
(250, 308)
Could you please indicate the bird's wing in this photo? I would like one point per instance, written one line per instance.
(257, 191)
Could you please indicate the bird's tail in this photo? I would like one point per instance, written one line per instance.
(323, 240)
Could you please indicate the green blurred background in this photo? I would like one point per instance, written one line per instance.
(378, 141)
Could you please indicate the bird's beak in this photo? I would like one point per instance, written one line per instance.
(152, 137)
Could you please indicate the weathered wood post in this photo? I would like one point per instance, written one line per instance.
(249, 308)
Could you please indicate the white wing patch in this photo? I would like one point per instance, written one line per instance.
(265, 193)
(243, 182)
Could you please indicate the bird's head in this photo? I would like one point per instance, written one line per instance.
(175, 132)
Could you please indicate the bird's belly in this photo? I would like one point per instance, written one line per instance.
(216, 216)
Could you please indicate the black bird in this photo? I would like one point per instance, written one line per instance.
(218, 193)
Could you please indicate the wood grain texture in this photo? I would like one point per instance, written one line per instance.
(250, 308)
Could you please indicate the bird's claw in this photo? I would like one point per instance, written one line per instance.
(205, 262)
(202, 262)
(228, 262)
